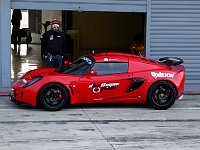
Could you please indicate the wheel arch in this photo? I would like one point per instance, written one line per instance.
(161, 81)
(65, 87)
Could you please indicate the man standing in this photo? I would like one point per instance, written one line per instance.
(53, 45)
(16, 18)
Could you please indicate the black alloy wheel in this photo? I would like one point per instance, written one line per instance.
(162, 95)
(53, 97)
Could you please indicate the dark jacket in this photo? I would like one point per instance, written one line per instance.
(16, 17)
(53, 43)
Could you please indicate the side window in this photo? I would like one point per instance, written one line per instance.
(104, 68)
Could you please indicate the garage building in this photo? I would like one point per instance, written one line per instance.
(170, 27)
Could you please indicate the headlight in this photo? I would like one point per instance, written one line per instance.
(36, 79)
(22, 82)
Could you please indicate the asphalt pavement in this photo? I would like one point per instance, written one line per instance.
(101, 127)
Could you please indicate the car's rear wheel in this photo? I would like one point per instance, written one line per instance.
(161, 95)
(53, 97)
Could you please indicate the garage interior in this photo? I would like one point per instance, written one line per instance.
(88, 32)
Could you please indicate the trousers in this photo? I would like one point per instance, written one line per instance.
(52, 61)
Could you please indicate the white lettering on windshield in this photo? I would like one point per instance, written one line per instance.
(89, 61)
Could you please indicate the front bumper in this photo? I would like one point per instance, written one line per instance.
(12, 99)
(23, 96)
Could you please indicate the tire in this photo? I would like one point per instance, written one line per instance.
(53, 97)
(161, 95)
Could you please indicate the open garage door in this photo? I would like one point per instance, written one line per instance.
(114, 15)
(89, 32)
(83, 5)
(95, 32)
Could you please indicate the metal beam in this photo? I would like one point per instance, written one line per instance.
(5, 46)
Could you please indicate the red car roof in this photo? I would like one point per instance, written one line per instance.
(112, 56)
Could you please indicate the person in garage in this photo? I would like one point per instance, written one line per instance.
(137, 47)
(16, 18)
(53, 45)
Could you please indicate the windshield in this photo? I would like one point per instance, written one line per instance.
(79, 67)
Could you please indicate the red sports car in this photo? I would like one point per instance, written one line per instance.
(104, 78)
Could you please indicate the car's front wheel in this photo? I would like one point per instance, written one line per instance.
(53, 97)
(161, 95)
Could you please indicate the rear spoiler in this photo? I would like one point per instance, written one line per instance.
(171, 61)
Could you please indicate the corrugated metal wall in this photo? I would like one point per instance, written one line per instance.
(82, 5)
(175, 31)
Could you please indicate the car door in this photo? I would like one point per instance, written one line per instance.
(110, 84)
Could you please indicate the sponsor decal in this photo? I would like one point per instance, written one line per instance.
(105, 59)
(111, 59)
(162, 75)
(96, 88)
(51, 37)
(98, 99)
(89, 61)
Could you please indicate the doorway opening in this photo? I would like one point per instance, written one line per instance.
(86, 32)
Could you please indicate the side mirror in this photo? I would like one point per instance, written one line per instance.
(91, 73)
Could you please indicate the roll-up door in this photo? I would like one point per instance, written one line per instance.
(175, 31)
(82, 5)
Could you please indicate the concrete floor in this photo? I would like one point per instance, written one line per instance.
(111, 127)
(24, 59)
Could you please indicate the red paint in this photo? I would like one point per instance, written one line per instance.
(105, 88)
